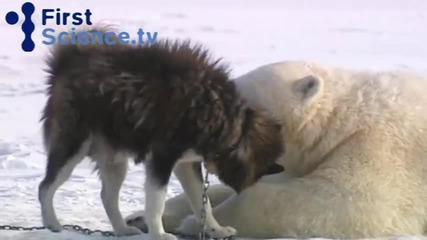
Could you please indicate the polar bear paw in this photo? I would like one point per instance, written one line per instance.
(221, 232)
(128, 231)
(170, 222)
(138, 222)
(191, 226)
(162, 236)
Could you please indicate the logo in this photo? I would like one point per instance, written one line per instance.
(59, 17)
(27, 27)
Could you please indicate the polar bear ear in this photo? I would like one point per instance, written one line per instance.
(307, 87)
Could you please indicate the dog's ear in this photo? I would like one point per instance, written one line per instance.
(275, 168)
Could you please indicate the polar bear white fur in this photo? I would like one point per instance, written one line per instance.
(356, 157)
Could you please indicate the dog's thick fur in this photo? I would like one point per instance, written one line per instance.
(166, 105)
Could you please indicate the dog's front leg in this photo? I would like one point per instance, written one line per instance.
(190, 176)
(157, 178)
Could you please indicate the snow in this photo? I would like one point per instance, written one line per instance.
(379, 34)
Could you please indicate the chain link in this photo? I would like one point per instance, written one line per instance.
(18, 228)
(87, 231)
(206, 183)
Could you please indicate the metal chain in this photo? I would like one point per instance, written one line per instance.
(18, 228)
(86, 231)
(76, 228)
(202, 235)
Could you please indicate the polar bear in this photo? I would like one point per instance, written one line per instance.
(356, 157)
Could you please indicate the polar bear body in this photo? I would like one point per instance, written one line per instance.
(356, 155)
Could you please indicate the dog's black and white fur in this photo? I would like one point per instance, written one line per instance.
(166, 105)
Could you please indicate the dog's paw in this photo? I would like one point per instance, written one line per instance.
(162, 236)
(221, 232)
(127, 231)
(53, 226)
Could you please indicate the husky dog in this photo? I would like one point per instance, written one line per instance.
(166, 105)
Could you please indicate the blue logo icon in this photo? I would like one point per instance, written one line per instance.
(27, 26)
(58, 17)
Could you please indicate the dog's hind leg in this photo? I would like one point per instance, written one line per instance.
(189, 174)
(113, 169)
(63, 156)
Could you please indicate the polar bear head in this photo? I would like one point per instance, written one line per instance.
(308, 100)
(290, 91)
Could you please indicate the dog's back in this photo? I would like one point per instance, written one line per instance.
(126, 93)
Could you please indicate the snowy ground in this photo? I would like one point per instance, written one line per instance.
(374, 34)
